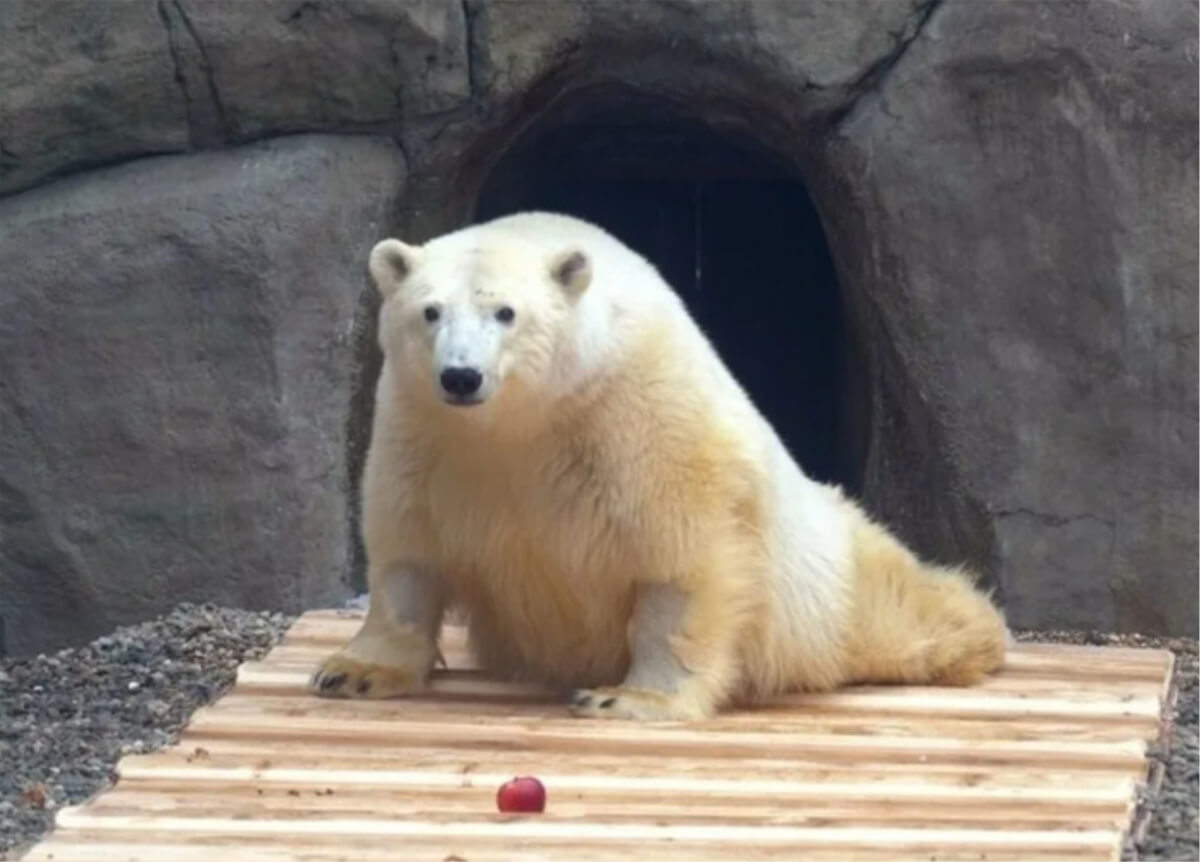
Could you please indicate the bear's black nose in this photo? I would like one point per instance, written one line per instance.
(461, 382)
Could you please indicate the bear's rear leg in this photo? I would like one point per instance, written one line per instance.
(918, 624)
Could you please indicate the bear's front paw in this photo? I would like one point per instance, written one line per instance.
(638, 704)
(342, 676)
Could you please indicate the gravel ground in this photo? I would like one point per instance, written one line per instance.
(66, 718)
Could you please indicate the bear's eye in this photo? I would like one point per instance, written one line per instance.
(505, 314)
(432, 314)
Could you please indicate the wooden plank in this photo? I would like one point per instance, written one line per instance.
(336, 627)
(1107, 795)
(442, 793)
(980, 702)
(775, 720)
(112, 846)
(453, 804)
(1156, 773)
(254, 760)
(1065, 665)
(303, 661)
(1037, 664)
(615, 737)
(504, 828)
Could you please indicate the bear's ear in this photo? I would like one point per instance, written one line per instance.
(572, 270)
(390, 263)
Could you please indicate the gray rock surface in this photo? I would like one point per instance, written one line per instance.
(1022, 223)
(823, 46)
(81, 84)
(1008, 190)
(84, 83)
(253, 69)
(177, 343)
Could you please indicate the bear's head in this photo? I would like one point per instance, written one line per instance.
(475, 319)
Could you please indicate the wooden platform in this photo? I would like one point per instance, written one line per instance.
(1044, 761)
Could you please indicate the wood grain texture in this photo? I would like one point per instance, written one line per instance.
(1044, 760)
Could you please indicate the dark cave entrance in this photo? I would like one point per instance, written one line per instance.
(736, 234)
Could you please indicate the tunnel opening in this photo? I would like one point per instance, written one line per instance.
(735, 232)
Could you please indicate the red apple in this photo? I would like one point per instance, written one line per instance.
(524, 794)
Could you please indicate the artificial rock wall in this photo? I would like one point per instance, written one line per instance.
(188, 189)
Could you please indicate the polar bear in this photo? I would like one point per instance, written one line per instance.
(558, 450)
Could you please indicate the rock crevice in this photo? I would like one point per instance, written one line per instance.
(200, 125)
(869, 83)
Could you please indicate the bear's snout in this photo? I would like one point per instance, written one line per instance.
(461, 384)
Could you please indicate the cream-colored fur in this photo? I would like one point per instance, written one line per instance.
(616, 518)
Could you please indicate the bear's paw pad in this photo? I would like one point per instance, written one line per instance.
(341, 676)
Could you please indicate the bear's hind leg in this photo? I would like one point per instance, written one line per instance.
(393, 653)
(919, 624)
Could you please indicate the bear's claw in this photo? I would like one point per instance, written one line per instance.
(327, 681)
(342, 676)
(629, 703)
